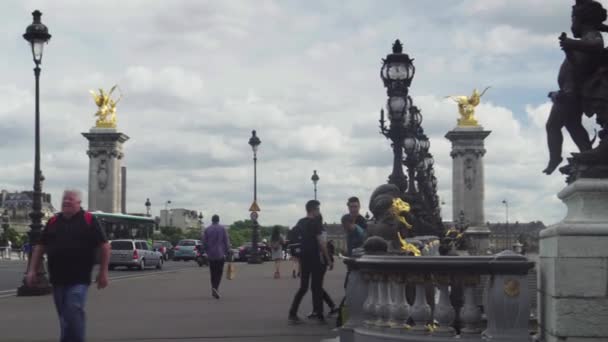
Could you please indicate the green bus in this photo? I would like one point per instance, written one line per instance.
(122, 226)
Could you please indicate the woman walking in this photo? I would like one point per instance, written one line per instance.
(276, 244)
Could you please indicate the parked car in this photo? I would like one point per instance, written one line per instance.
(245, 250)
(165, 248)
(186, 250)
(134, 253)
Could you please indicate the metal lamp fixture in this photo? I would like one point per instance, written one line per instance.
(37, 34)
(410, 144)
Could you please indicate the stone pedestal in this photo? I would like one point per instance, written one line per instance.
(105, 155)
(468, 184)
(573, 276)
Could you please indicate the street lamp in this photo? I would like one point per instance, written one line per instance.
(410, 145)
(315, 179)
(37, 34)
(254, 258)
(148, 205)
(506, 203)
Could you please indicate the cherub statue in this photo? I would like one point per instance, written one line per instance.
(466, 107)
(583, 83)
(106, 108)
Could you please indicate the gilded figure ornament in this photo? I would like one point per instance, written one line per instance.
(466, 107)
(106, 108)
(512, 287)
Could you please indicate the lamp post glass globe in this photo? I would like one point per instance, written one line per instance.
(254, 141)
(37, 34)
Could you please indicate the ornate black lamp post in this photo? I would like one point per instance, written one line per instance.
(37, 34)
(315, 179)
(410, 144)
(148, 205)
(254, 257)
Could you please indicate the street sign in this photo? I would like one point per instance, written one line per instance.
(254, 215)
(254, 207)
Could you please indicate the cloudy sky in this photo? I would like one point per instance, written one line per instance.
(197, 76)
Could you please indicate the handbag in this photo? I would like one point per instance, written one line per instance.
(231, 272)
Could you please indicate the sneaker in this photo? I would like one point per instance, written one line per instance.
(312, 315)
(294, 319)
(333, 311)
(215, 293)
(319, 319)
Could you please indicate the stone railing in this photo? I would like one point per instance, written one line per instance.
(432, 298)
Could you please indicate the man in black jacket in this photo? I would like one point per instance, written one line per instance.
(70, 240)
(314, 259)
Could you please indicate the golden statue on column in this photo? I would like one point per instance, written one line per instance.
(466, 107)
(106, 108)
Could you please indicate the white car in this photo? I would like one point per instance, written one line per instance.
(134, 253)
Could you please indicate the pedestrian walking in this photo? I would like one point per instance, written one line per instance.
(276, 245)
(217, 246)
(354, 206)
(9, 249)
(312, 264)
(27, 248)
(294, 239)
(355, 237)
(70, 239)
(327, 261)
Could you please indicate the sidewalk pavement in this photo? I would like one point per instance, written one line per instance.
(14, 255)
(177, 306)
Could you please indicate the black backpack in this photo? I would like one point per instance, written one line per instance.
(294, 236)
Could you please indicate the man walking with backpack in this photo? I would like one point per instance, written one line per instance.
(313, 257)
(70, 240)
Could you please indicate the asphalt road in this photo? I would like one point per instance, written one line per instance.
(11, 273)
(176, 305)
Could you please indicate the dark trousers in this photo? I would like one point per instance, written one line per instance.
(216, 267)
(311, 275)
(325, 296)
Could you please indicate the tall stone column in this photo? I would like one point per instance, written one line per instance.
(105, 155)
(573, 276)
(468, 184)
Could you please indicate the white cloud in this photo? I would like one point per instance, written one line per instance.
(198, 76)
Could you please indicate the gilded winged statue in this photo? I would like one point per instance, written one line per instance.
(106, 108)
(466, 107)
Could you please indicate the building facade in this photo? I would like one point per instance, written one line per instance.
(19, 206)
(179, 218)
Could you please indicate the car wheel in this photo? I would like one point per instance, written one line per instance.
(159, 266)
(175, 259)
(111, 267)
(142, 265)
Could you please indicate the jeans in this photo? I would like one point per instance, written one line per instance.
(216, 267)
(311, 273)
(69, 302)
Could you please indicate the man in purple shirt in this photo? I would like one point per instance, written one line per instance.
(216, 244)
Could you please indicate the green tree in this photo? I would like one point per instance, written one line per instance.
(193, 233)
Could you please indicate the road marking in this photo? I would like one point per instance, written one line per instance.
(13, 293)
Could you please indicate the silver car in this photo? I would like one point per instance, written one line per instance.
(134, 253)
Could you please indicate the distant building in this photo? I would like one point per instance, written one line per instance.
(503, 234)
(19, 207)
(179, 218)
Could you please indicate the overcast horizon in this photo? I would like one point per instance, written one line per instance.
(198, 76)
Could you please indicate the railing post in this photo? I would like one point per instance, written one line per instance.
(369, 306)
(444, 312)
(399, 307)
(421, 310)
(382, 303)
(470, 314)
